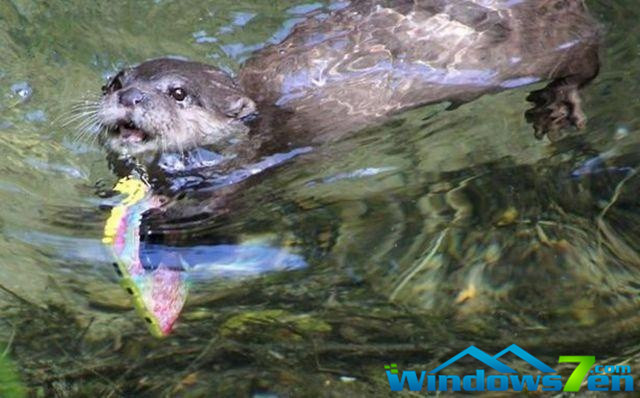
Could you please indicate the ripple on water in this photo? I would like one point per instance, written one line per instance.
(439, 229)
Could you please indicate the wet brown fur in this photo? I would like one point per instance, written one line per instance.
(341, 71)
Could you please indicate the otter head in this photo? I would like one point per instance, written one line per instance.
(167, 105)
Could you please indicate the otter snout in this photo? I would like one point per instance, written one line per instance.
(131, 96)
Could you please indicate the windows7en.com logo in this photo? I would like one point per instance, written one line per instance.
(601, 378)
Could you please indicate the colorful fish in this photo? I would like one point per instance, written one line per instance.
(158, 294)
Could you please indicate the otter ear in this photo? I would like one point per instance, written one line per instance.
(240, 107)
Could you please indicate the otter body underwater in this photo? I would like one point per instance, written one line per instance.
(341, 71)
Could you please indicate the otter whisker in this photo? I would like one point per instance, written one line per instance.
(86, 127)
(181, 151)
(75, 111)
(81, 113)
(76, 117)
(80, 104)
(101, 132)
(83, 134)
(65, 108)
(83, 109)
(85, 104)
(72, 113)
(163, 143)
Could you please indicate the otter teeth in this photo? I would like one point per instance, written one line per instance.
(131, 133)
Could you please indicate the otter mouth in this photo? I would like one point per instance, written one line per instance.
(129, 132)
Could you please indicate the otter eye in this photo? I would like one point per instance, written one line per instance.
(178, 94)
(114, 85)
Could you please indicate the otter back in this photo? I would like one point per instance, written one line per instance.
(341, 71)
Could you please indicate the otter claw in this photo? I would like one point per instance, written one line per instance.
(557, 108)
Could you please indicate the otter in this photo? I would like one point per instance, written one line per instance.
(354, 67)
(351, 65)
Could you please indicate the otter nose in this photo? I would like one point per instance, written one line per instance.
(131, 96)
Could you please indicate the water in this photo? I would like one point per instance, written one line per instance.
(411, 241)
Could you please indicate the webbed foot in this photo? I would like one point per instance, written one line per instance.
(557, 108)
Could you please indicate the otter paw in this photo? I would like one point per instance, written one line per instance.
(556, 109)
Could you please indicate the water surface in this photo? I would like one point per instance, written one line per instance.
(411, 240)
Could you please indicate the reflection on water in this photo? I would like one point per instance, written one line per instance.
(221, 261)
(409, 241)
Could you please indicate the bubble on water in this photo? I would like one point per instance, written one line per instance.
(202, 37)
(22, 90)
(242, 18)
(225, 30)
(621, 132)
(304, 8)
(338, 5)
(107, 75)
(239, 51)
(206, 39)
(239, 19)
(36, 116)
(285, 30)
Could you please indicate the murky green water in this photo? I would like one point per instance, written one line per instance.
(440, 230)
